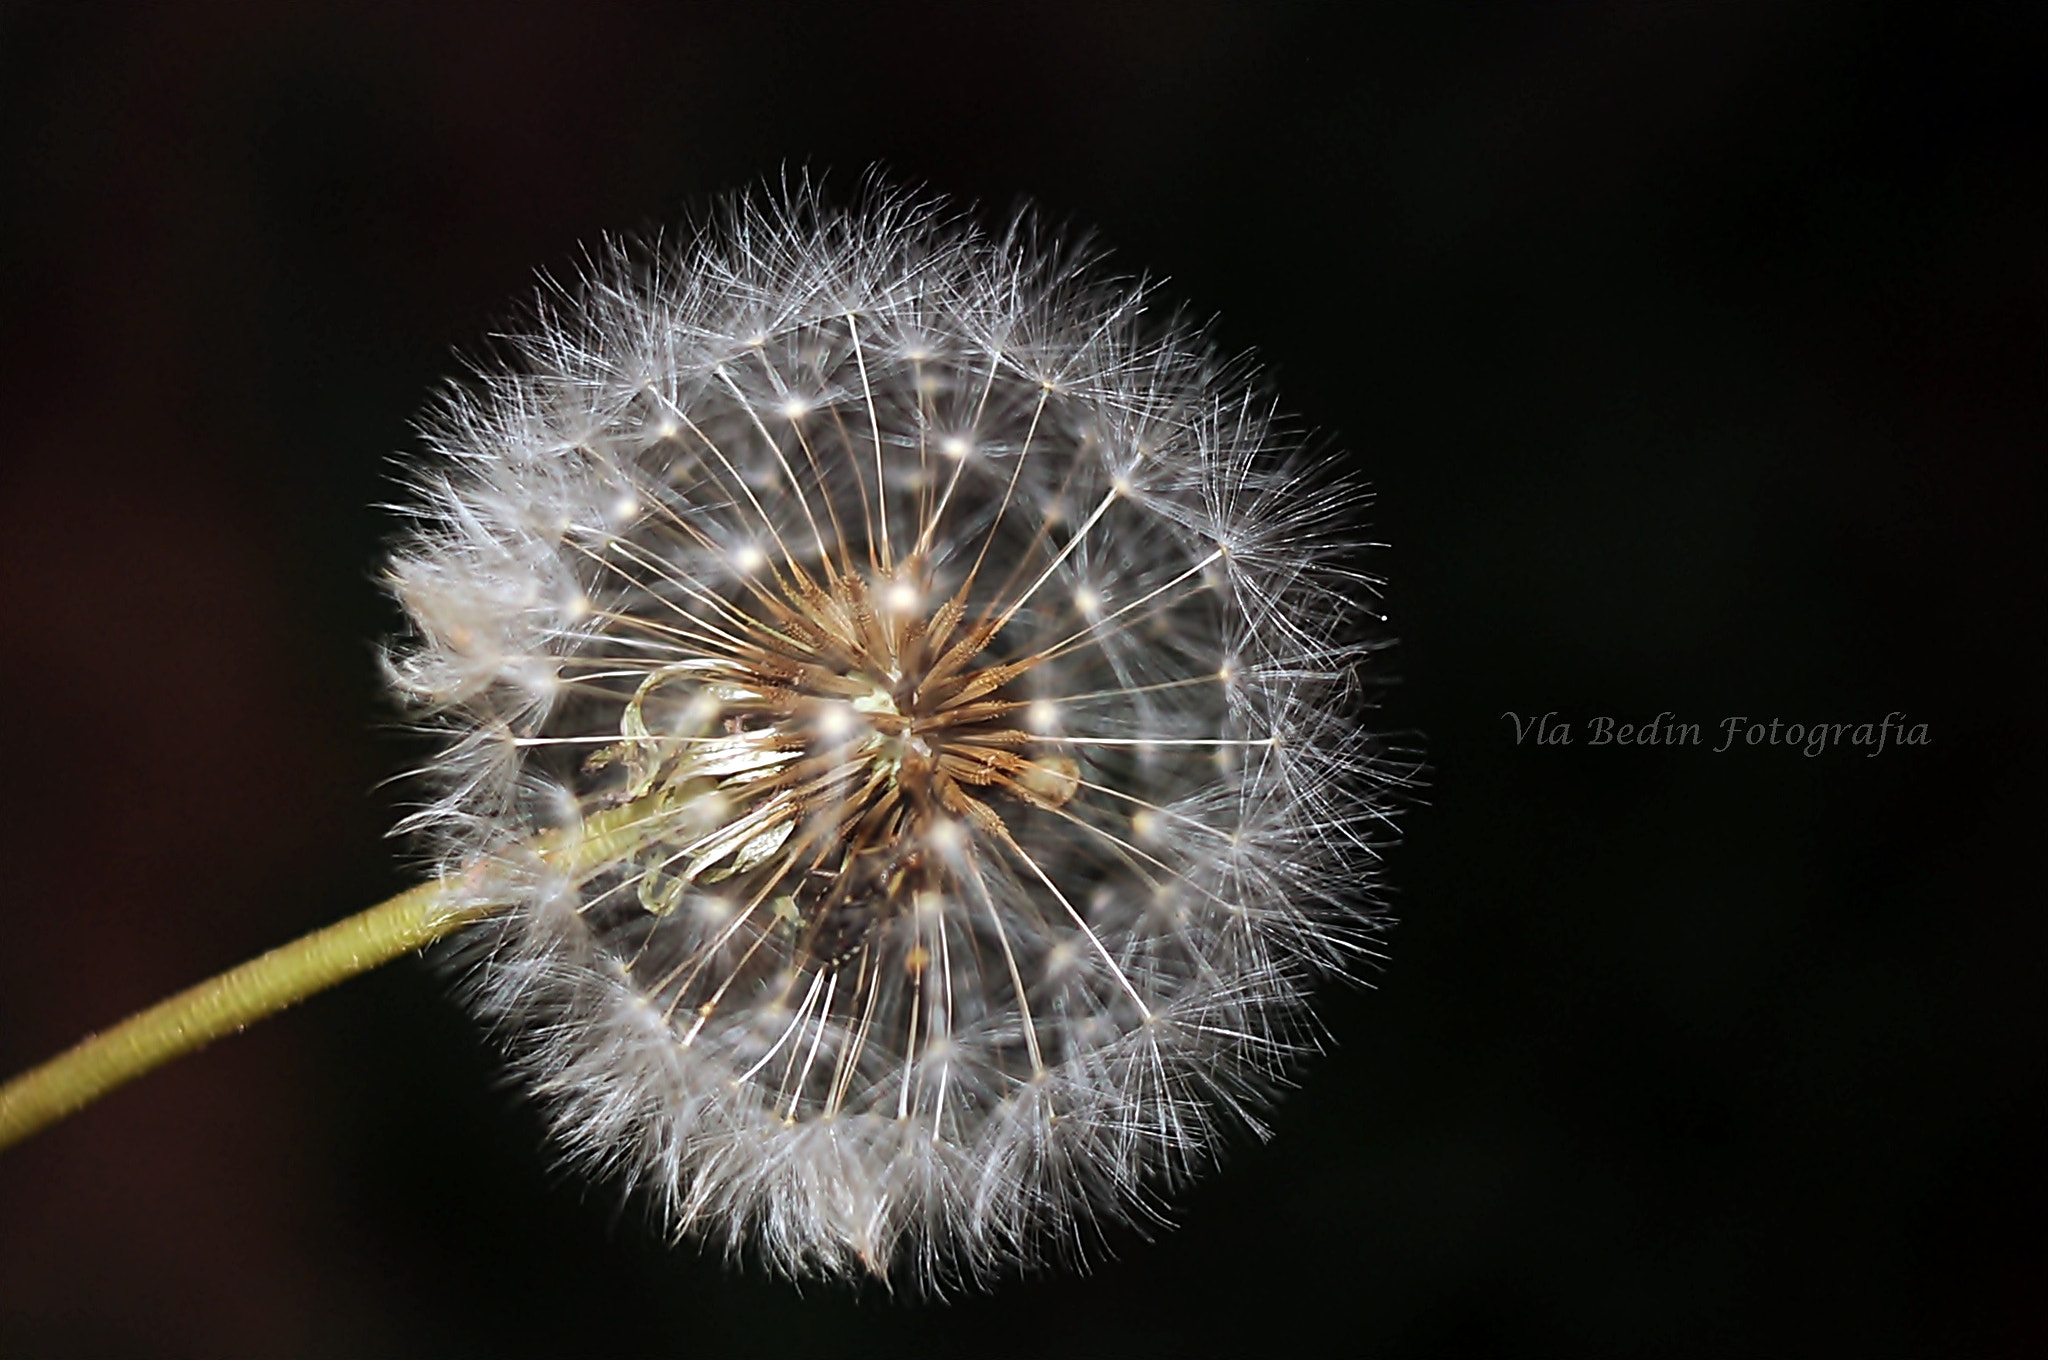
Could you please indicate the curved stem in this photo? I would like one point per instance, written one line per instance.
(290, 973)
(241, 996)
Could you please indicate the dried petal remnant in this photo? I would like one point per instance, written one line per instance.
(951, 665)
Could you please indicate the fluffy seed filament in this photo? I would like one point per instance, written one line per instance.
(952, 661)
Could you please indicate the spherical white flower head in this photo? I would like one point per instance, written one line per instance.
(902, 691)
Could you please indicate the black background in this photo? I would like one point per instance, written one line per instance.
(1697, 353)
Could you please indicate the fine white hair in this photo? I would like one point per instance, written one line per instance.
(904, 697)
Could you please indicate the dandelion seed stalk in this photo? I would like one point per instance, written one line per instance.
(232, 1001)
(222, 1005)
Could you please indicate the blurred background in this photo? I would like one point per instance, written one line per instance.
(1696, 351)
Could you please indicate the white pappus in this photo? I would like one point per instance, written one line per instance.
(905, 696)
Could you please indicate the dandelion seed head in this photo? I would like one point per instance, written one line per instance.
(902, 690)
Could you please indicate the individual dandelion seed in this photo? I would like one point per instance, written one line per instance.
(900, 770)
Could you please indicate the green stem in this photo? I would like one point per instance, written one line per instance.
(241, 996)
(290, 973)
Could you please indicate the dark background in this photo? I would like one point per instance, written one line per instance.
(1697, 352)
